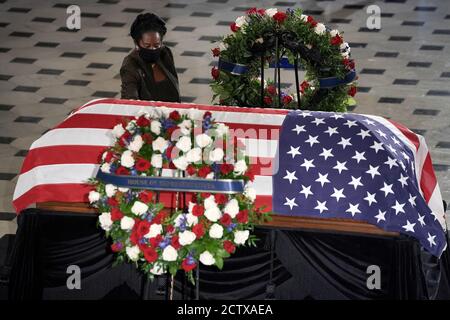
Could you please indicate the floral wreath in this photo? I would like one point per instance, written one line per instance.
(321, 51)
(209, 228)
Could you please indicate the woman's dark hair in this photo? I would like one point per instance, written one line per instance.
(145, 22)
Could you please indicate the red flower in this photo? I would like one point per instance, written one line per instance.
(225, 220)
(146, 196)
(143, 228)
(204, 171)
(116, 214)
(199, 230)
(280, 17)
(147, 137)
(251, 11)
(250, 174)
(160, 217)
(191, 170)
(175, 115)
(336, 40)
(205, 195)
(150, 254)
(170, 130)
(142, 165)
(112, 202)
(116, 247)
(143, 121)
(155, 240)
(303, 86)
(242, 216)
(198, 210)
(188, 267)
(271, 90)
(226, 168)
(122, 171)
(220, 198)
(169, 152)
(175, 242)
(312, 23)
(352, 91)
(215, 52)
(207, 114)
(261, 12)
(349, 64)
(229, 246)
(170, 228)
(234, 27)
(287, 99)
(215, 73)
(134, 239)
(268, 100)
(109, 155)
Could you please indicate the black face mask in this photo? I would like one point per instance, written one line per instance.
(149, 55)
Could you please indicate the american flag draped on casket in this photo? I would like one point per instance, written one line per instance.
(318, 164)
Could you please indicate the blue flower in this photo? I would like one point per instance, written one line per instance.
(231, 227)
(163, 244)
(167, 123)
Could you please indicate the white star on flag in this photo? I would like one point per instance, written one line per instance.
(299, 129)
(331, 131)
(387, 188)
(312, 140)
(326, 153)
(373, 171)
(353, 209)
(291, 203)
(321, 206)
(344, 142)
(431, 240)
(294, 152)
(359, 156)
(377, 146)
(290, 176)
(338, 194)
(409, 226)
(364, 134)
(370, 198)
(318, 121)
(402, 180)
(391, 162)
(307, 164)
(340, 166)
(323, 179)
(356, 182)
(398, 207)
(306, 191)
(380, 216)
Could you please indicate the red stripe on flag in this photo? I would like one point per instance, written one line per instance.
(428, 179)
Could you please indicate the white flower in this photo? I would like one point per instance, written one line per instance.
(334, 32)
(210, 202)
(194, 155)
(126, 223)
(170, 254)
(250, 193)
(184, 143)
(157, 160)
(223, 46)
(271, 12)
(185, 127)
(191, 206)
(131, 126)
(222, 129)
(127, 159)
(155, 126)
(187, 237)
(203, 140)
(157, 269)
(180, 162)
(133, 252)
(110, 190)
(240, 167)
(241, 21)
(191, 220)
(123, 189)
(160, 144)
(195, 114)
(94, 196)
(139, 208)
(345, 54)
(106, 167)
(216, 155)
(213, 214)
(207, 258)
(162, 111)
(320, 28)
(345, 47)
(303, 17)
(232, 208)
(210, 175)
(105, 221)
(136, 144)
(241, 236)
(216, 231)
(118, 130)
(155, 229)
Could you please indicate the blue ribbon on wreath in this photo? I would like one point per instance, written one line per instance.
(233, 68)
(227, 186)
(331, 82)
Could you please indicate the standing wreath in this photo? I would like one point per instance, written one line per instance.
(264, 35)
(209, 226)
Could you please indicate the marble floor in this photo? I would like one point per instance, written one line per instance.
(47, 70)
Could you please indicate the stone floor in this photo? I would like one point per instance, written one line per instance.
(47, 70)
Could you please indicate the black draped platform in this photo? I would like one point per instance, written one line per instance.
(304, 265)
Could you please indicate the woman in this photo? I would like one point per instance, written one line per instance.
(148, 72)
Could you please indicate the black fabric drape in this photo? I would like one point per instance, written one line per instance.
(306, 265)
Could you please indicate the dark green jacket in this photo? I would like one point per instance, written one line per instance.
(138, 83)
